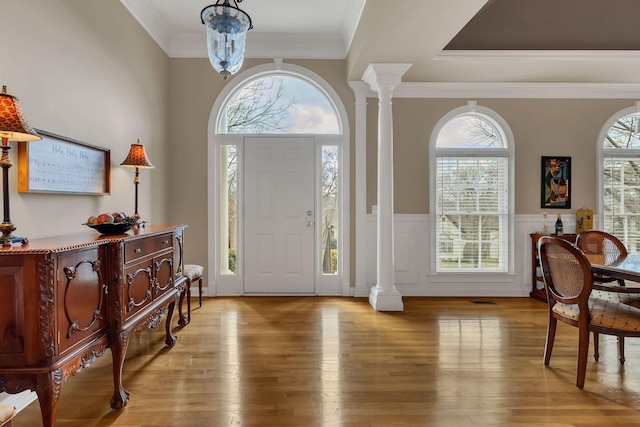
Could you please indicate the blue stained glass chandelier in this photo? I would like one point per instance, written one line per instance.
(227, 27)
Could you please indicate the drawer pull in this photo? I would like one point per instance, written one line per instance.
(165, 242)
(137, 250)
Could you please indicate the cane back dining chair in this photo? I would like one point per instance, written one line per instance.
(604, 245)
(568, 283)
(606, 249)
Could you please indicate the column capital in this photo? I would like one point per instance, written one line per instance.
(360, 89)
(384, 75)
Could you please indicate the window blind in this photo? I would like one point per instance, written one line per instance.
(621, 200)
(472, 213)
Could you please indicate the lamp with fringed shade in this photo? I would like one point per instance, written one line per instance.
(137, 158)
(13, 127)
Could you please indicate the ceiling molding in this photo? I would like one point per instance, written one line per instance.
(555, 55)
(152, 21)
(353, 13)
(188, 46)
(298, 46)
(517, 90)
(261, 45)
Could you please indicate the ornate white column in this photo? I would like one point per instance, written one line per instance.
(361, 89)
(383, 79)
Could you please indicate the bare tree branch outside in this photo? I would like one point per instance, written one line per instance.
(469, 196)
(621, 194)
(264, 106)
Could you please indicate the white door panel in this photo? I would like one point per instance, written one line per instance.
(279, 219)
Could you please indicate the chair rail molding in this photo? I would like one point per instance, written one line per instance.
(412, 249)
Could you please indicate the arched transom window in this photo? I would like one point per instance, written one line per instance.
(279, 104)
(286, 115)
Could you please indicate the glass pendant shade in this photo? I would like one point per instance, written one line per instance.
(227, 28)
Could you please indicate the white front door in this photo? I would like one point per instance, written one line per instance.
(279, 217)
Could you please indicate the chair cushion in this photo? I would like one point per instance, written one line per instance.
(6, 413)
(606, 310)
(193, 271)
(621, 297)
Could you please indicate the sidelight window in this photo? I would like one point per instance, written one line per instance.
(285, 105)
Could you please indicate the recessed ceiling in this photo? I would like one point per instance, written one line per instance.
(552, 25)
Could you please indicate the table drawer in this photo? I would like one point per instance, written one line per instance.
(143, 247)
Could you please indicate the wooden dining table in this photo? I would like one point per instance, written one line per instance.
(627, 268)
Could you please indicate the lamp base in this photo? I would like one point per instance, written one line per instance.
(7, 239)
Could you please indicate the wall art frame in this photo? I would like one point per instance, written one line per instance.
(555, 188)
(58, 164)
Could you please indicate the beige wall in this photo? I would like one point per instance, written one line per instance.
(88, 71)
(194, 88)
(541, 127)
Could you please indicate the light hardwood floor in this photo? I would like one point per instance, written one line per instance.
(316, 361)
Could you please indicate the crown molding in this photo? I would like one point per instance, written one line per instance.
(151, 20)
(262, 45)
(188, 46)
(353, 13)
(259, 45)
(298, 46)
(555, 55)
(517, 90)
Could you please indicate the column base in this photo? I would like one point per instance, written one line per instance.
(385, 300)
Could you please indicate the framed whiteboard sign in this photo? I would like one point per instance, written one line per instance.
(57, 164)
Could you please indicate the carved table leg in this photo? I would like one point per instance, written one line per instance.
(171, 338)
(48, 390)
(118, 351)
(184, 320)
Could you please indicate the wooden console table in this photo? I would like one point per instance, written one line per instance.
(66, 299)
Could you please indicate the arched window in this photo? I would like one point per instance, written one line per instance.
(471, 191)
(279, 104)
(288, 108)
(620, 191)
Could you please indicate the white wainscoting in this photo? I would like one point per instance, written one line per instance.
(414, 275)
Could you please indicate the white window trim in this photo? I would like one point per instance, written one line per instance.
(215, 139)
(472, 107)
(600, 155)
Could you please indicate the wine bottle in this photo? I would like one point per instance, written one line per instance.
(559, 227)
